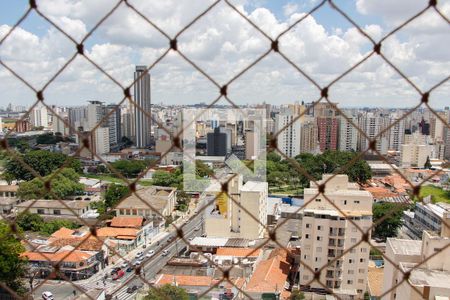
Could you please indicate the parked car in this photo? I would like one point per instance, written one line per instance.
(150, 253)
(115, 270)
(118, 275)
(124, 265)
(47, 295)
(131, 289)
(130, 269)
(139, 254)
(165, 252)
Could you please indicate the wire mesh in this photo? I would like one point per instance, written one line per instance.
(273, 45)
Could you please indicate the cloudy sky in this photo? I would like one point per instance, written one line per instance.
(223, 44)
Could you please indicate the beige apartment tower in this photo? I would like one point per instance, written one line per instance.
(327, 233)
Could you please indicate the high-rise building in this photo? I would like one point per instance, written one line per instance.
(142, 109)
(327, 233)
(252, 145)
(39, 116)
(113, 123)
(396, 133)
(327, 124)
(128, 124)
(308, 136)
(288, 130)
(415, 151)
(372, 124)
(77, 118)
(242, 216)
(95, 113)
(101, 141)
(348, 134)
(218, 142)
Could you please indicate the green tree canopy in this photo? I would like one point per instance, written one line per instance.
(167, 292)
(64, 184)
(115, 193)
(390, 225)
(42, 161)
(130, 168)
(34, 222)
(12, 267)
(163, 178)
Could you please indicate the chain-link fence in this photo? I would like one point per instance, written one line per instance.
(179, 228)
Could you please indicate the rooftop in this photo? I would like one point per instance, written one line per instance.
(147, 198)
(74, 204)
(184, 280)
(238, 252)
(375, 281)
(426, 277)
(270, 274)
(131, 222)
(62, 256)
(9, 188)
(405, 247)
(253, 186)
(122, 233)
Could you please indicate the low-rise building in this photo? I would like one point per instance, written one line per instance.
(150, 202)
(426, 263)
(426, 216)
(72, 209)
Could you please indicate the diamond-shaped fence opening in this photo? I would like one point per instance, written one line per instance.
(132, 186)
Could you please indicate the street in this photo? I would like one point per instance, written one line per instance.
(149, 267)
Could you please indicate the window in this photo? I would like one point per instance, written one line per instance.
(349, 281)
(354, 229)
(363, 250)
(319, 227)
(356, 201)
(345, 202)
(308, 225)
(361, 260)
(318, 200)
(319, 238)
(319, 249)
(41, 211)
(306, 236)
(350, 271)
(353, 240)
(305, 277)
(360, 280)
(350, 261)
(56, 211)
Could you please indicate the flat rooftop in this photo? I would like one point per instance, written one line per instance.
(405, 247)
(254, 186)
(426, 277)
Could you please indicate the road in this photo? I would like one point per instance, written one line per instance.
(150, 266)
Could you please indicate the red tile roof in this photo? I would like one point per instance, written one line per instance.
(184, 280)
(64, 256)
(131, 222)
(270, 274)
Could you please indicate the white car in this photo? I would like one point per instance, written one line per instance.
(150, 253)
(165, 253)
(47, 295)
(124, 265)
(139, 254)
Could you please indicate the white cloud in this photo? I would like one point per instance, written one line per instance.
(223, 44)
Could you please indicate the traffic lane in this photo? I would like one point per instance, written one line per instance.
(63, 290)
(153, 265)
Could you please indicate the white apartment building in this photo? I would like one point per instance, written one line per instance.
(244, 215)
(396, 133)
(288, 140)
(101, 140)
(372, 124)
(327, 234)
(431, 274)
(348, 134)
(39, 116)
(415, 151)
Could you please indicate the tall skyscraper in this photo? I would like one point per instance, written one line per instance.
(142, 109)
(308, 136)
(115, 129)
(39, 116)
(219, 142)
(328, 125)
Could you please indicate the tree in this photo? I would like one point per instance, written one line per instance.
(427, 163)
(30, 222)
(12, 266)
(167, 292)
(162, 178)
(297, 295)
(115, 193)
(183, 200)
(202, 170)
(35, 223)
(63, 184)
(390, 225)
(130, 168)
(43, 162)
